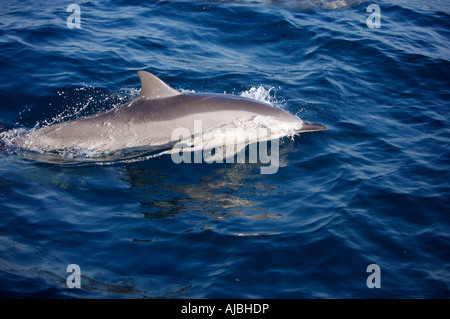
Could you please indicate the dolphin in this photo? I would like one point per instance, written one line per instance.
(148, 121)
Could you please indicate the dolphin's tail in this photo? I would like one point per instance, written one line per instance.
(311, 127)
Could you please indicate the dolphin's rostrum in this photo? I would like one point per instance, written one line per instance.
(148, 121)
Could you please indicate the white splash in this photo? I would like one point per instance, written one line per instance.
(261, 94)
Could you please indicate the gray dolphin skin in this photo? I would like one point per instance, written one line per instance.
(149, 120)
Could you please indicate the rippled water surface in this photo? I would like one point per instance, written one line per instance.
(373, 189)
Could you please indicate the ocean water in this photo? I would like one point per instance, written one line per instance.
(372, 189)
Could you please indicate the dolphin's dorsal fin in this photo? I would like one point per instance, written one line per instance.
(153, 87)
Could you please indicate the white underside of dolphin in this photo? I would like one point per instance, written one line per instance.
(149, 121)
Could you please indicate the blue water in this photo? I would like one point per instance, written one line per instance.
(373, 189)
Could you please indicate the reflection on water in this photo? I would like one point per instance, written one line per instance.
(217, 195)
(226, 191)
(200, 195)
